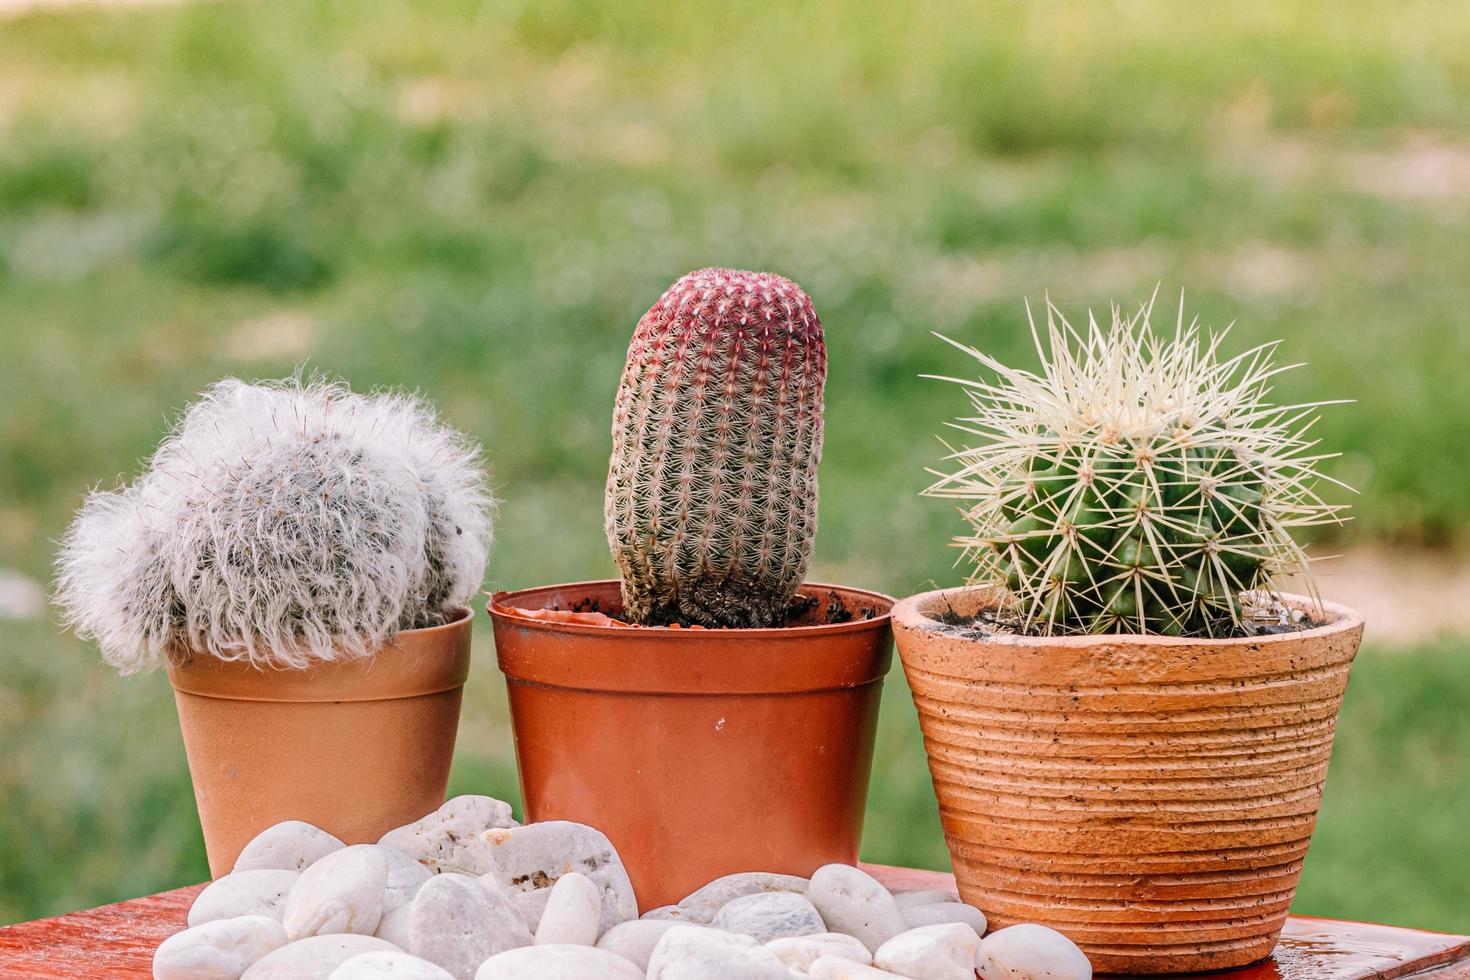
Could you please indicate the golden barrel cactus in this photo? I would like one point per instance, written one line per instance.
(1138, 483)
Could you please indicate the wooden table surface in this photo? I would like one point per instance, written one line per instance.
(117, 942)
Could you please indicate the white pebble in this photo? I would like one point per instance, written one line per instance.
(391, 965)
(768, 916)
(261, 892)
(940, 952)
(531, 858)
(218, 950)
(452, 838)
(291, 845)
(835, 968)
(394, 925)
(800, 952)
(532, 904)
(557, 962)
(405, 876)
(695, 953)
(1031, 952)
(702, 904)
(672, 913)
(458, 924)
(343, 892)
(635, 940)
(936, 913)
(923, 896)
(571, 914)
(852, 901)
(314, 958)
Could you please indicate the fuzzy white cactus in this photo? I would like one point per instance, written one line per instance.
(283, 523)
(1138, 483)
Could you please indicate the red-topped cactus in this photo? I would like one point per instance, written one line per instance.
(711, 502)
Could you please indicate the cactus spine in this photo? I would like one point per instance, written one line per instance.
(711, 502)
(1137, 484)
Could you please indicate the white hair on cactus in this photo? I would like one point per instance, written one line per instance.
(283, 523)
(113, 584)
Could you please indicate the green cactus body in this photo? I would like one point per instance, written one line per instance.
(1137, 484)
(711, 503)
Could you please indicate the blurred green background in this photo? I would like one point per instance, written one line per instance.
(478, 200)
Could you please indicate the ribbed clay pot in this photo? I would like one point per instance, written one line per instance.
(356, 748)
(1152, 798)
(699, 752)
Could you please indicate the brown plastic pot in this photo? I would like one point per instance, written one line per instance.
(1151, 798)
(698, 752)
(356, 748)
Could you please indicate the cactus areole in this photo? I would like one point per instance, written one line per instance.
(711, 502)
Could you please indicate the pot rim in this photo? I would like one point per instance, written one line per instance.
(416, 662)
(499, 609)
(908, 614)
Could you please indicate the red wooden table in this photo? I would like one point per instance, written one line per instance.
(117, 941)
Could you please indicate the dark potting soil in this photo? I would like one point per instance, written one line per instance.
(810, 610)
(806, 609)
(1275, 620)
(986, 623)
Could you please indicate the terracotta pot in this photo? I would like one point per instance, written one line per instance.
(355, 748)
(1150, 797)
(698, 752)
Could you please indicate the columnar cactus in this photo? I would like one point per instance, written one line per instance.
(1137, 484)
(711, 501)
(284, 524)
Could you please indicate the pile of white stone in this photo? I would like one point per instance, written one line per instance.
(468, 894)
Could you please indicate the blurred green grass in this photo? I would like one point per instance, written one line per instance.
(478, 200)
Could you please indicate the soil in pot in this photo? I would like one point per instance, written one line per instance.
(699, 752)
